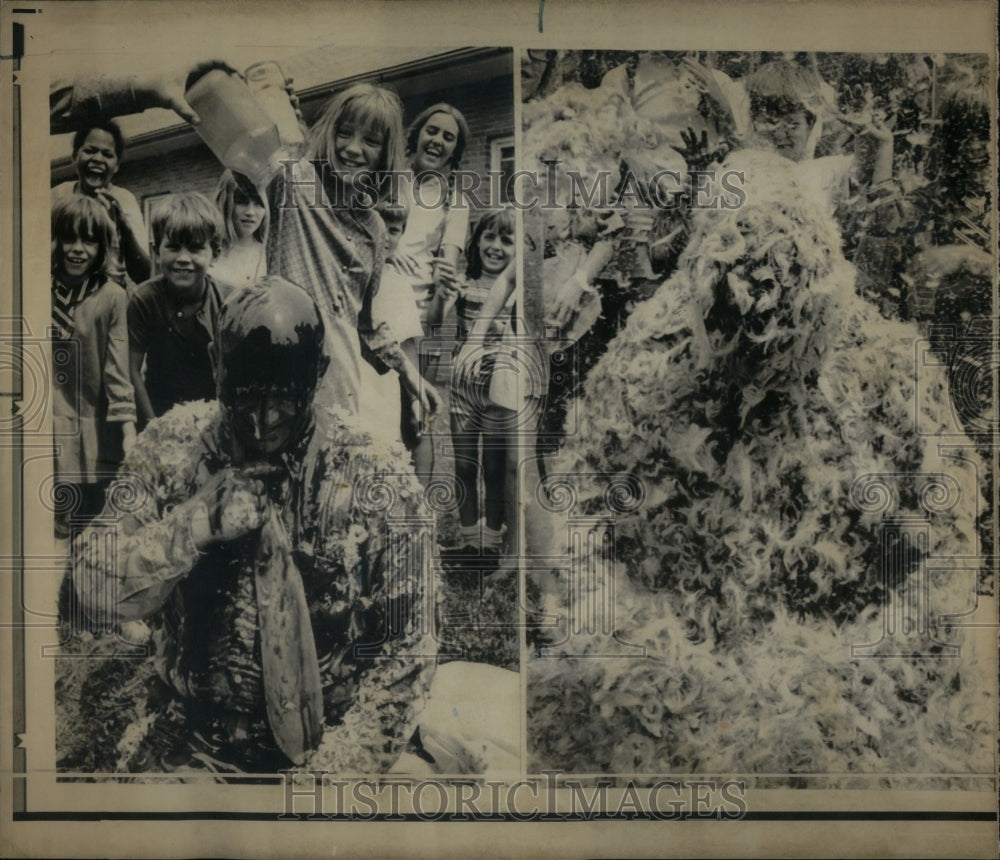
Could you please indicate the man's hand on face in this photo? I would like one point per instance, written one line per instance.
(233, 503)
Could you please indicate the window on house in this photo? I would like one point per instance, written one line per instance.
(502, 162)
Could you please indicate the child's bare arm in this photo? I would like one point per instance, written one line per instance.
(136, 258)
(442, 301)
(446, 265)
(138, 343)
(882, 169)
(446, 284)
(502, 287)
(143, 405)
(567, 300)
(134, 238)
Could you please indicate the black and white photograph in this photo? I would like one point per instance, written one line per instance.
(766, 447)
(268, 426)
(521, 429)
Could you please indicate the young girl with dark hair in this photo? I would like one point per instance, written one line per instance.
(244, 230)
(480, 427)
(91, 389)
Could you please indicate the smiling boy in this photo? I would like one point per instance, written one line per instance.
(172, 318)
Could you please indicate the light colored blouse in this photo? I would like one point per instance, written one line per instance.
(430, 225)
(240, 265)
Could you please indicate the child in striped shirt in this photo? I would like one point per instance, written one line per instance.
(478, 425)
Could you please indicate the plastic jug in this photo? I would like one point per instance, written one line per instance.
(236, 127)
(266, 81)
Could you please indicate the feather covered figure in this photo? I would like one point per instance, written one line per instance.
(781, 433)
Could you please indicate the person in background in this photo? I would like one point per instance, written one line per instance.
(172, 318)
(344, 271)
(601, 264)
(475, 419)
(91, 396)
(97, 154)
(394, 304)
(953, 270)
(352, 151)
(394, 215)
(244, 230)
(789, 106)
(427, 257)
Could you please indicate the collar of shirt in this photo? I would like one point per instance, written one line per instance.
(79, 293)
(207, 311)
(362, 217)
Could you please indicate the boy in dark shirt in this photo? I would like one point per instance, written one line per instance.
(172, 317)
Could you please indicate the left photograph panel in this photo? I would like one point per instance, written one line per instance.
(282, 486)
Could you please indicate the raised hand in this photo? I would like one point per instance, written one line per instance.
(880, 129)
(294, 100)
(695, 150)
(406, 264)
(446, 277)
(567, 300)
(699, 76)
(420, 389)
(719, 91)
(108, 201)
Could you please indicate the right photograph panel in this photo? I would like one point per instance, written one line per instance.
(760, 497)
